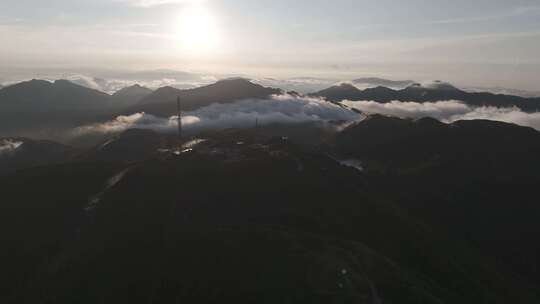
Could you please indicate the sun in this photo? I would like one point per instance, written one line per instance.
(197, 30)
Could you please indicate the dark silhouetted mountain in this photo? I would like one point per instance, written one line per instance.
(376, 82)
(438, 213)
(340, 92)
(131, 95)
(476, 179)
(163, 101)
(42, 95)
(129, 146)
(382, 92)
(438, 91)
(235, 220)
(39, 103)
(381, 136)
(22, 153)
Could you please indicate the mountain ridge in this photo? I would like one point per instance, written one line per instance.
(162, 101)
(131, 95)
(420, 93)
(280, 215)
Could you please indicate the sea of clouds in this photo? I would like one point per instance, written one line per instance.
(110, 86)
(283, 109)
(289, 109)
(447, 111)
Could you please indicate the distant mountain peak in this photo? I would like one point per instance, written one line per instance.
(347, 85)
(131, 95)
(60, 81)
(163, 100)
(67, 83)
(434, 85)
(343, 87)
(339, 92)
(376, 81)
(168, 88)
(379, 89)
(32, 83)
(133, 90)
(234, 79)
(428, 121)
(236, 82)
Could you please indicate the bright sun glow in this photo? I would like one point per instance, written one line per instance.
(197, 30)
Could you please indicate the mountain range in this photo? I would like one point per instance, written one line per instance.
(37, 104)
(419, 93)
(21, 153)
(376, 82)
(42, 107)
(437, 213)
(129, 95)
(474, 179)
(162, 102)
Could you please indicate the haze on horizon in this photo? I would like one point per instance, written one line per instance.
(480, 43)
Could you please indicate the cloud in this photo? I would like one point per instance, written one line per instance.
(284, 109)
(8, 146)
(510, 115)
(114, 84)
(103, 85)
(447, 111)
(151, 3)
(122, 123)
(371, 82)
(90, 82)
(302, 85)
(505, 91)
(442, 110)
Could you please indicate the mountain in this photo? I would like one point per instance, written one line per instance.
(302, 85)
(386, 210)
(236, 219)
(22, 153)
(474, 179)
(38, 95)
(38, 104)
(131, 95)
(438, 91)
(377, 82)
(163, 101)
(340, 92)
(51, 108)
(129, 146)
(382, 139)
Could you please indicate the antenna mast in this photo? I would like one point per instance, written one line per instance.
(179, 113)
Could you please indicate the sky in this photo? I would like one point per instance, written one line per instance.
(474, 43)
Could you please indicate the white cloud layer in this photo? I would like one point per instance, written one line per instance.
(110, 86)
(278, 109)
(8, 146)
(151, 3)
(447, 111)
(302, 85)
